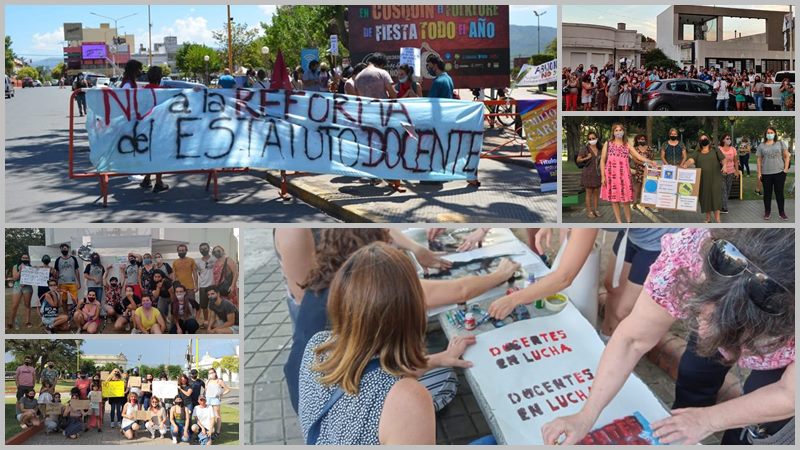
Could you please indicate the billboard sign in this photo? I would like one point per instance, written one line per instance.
(472, 40)
(73, 31)
(93, 51)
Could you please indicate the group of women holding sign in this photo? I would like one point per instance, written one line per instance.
(615, 170)
(358, 373)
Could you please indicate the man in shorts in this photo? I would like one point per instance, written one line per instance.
(68, 270)
(226, 319)
(205, 419)
(205, 278)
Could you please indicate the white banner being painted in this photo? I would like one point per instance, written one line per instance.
(531, 372)
(159, 130)
(535, 75)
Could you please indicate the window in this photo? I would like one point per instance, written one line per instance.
(678, 86)
(700, 87)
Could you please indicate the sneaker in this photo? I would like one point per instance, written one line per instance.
(724, 211)
(783, 217)
(766, 216)
(113, 424)
(174, 440)
(99, 430)
(160, 187)
(145, 184)
(759, 193)
(152, 435)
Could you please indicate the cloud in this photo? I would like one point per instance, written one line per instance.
(51, 41)
(189, 29)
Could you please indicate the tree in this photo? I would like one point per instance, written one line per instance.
(107, 367)
(229, 364)
(190, 59)
(28, 71)
(10, 55)
(18, 240)
(657, 58)
(296, 27)
(59, 70)
(243, 49)
(89, 366)
(63, 352)
(552, 48)
(165, 70)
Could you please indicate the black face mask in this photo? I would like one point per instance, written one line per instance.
(642, 142)
(204, 251)
(27, 363)
(26, 262)
(673, 138)
(64, 252)
(704, 142)
(132, 260)
(96, 260)
(181, 254)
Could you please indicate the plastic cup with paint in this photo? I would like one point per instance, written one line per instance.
(556, 302)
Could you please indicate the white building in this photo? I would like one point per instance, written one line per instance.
(590, 44)
(699, 36)
(119, 360)
(163, 53)
(207, 362)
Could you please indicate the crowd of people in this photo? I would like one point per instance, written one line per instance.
(354, 383)
(192, 415)
(615, 170)
(151, 296)
(624, 88)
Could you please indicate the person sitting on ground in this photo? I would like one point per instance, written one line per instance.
(49, 307)
(74, 418)
(51, 420)
(205, 420)
(227, 315)
(146, 319)
(178, 415)
(129, 425)
(113, 292)
(126, 308)
(46, 392)
(183, 315)
(87, 317)
(28, 410)
(158, 419)
(358, 384)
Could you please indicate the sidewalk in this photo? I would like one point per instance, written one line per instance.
(741, 211)
(509, 192)
(268, 414)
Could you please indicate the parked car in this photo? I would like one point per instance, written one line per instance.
(37, 83)
(102, 82)
(27, 82)
(685, 94)
(9, 87)
(772, 94)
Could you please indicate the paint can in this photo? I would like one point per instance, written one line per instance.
(556, 302)
(539, 304)
(469, 322)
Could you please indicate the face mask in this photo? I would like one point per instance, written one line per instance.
(159, 260)
(27, 363)
(212, 298)
(593, 142)
(64, 252)
(147, 305)
(673, 138)
(132, 260)
(31, 395)
(642, 142)
(217, 253)
(619, 134)
(770, 136)
(26, 262)
(91, 299)
(181, 254)
(148, 261)
(83, 375)
(50, 366)
(402, 79)
(114, 284)
(431, 72)
(704, 142)
(96, 260)
(204, 251)
(178, 403)
(180, 296)
(46, 260)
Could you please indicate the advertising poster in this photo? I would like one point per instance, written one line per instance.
(539, 123)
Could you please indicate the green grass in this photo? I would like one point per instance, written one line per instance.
(229, 432)
(61, 386)
(12, 426)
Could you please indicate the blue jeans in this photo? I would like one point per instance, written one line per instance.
(723, 103)
(179, 434)
(486, 440)
(759, 98)
(116, 412)
(203, 438)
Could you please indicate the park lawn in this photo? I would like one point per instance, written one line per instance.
(229, 432)
(61, 386)
(12, 426)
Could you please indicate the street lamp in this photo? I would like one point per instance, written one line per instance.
(681, 130)
(114, 53)
(205, 59)
(732, 120)
(265, 52)
(538, 42)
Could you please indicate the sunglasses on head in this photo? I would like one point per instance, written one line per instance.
(727, 261)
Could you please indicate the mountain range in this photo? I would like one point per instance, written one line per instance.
(523, 39)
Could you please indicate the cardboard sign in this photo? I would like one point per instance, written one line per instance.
(134, 381)
(671, 188)
(536, 370)
(143, 415)
(104, 375)
(165, 389)
(50, 409)
(113, 388)
(145, 387)
(155, 130)
(79, 404)
(411, 56)
(34, 276)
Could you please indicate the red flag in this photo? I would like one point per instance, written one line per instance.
(280, 74)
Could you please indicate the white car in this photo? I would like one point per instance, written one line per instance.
(102, 82)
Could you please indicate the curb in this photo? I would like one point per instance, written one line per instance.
(24, 435)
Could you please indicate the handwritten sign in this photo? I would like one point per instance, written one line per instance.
(34, 276)
(146, 387)
(539, 122)
(334, 45)
(411, 56)
(547, 365)
(143, 415)
(134, 381)
(113, 388)
(671, 188)
(151, 130)
(165, 389)
(79, 404)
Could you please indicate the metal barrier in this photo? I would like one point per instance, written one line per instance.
(517, 133)
(104, 177)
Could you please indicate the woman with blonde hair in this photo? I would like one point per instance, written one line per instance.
(374, 353)
(615, 172)
(158, 418)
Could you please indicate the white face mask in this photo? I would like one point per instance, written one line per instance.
(770, 136)
(619, 134)
(180, 296)
(593, 142)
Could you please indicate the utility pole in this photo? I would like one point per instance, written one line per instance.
(149, 38)
(230, 47)
(538, 41)
(116, 37)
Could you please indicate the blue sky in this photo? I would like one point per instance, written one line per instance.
(642, 18)
(37, 29)
(156, 352)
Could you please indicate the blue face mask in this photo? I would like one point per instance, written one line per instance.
(148, 261)
(770, 136)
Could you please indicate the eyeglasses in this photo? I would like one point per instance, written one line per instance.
(727, 261)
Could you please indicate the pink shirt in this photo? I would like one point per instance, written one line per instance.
(680, 252)
(26, 376)
(729, 166)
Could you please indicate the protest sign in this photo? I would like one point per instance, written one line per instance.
(671, 188)
(143, 415)
(165, 389)
(145, 387)
(79, 404)
(113, 388)
(533, 371)
(52, 408)
(34, 276)
(472, 40)
(411, 56)
(540, 74)
(148, 131)
(539, 122)
(307, 55)
(134, 381)
(334, 45)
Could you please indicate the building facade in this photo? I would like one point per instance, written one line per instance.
(699, 36)
(110, 49)
(119, 360)
(598, 45)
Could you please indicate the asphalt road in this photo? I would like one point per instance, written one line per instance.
(38, 188)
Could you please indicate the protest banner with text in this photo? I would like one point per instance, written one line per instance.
(472, 40)
(539, 122)
(536, 370)
(166, 130)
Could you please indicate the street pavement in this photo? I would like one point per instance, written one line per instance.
(741, 212)
(268, 414)
(38, 188)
